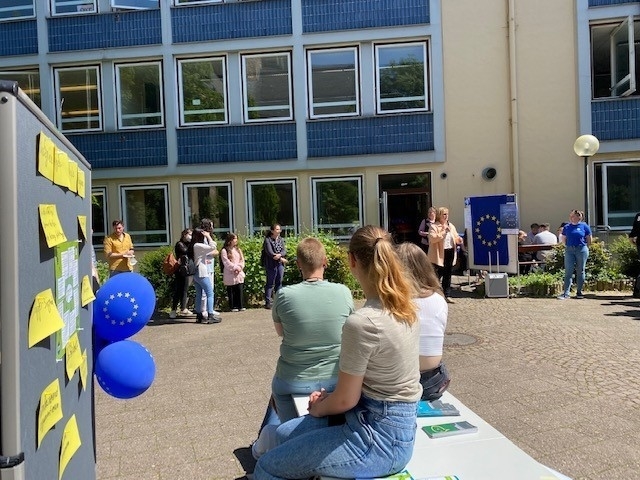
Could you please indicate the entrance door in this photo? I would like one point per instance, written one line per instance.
(404, 201)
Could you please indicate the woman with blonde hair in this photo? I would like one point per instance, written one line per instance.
(432, 312)
(378, 381)
(443, 244)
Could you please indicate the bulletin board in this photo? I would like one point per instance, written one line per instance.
(46, 385)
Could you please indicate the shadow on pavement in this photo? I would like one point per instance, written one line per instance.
(246, 460)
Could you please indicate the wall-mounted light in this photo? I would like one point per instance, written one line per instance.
(489, 173)
(443, 175)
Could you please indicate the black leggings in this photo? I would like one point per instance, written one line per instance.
(444, 272)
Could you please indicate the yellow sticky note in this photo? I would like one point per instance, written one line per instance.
(70, 444)
(50, 411)
(61, 169)
(81, 183)
(82, 221)
(87, 291)
(51, 225)
(73, 355)
(46, 154)
(73, 176)
(84, 370)
(45, 318)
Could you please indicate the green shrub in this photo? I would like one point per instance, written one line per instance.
(599, 264)
(625, 257)
(103, 271)
(337, 270)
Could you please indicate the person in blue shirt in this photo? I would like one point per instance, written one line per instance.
(576, 236)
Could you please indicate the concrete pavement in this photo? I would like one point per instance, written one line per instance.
(558, 378)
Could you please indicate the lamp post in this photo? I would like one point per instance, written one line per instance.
(586, 146)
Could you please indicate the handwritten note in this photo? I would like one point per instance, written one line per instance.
(50, 411)
(73, 355)
(45, 318)
(73, 176)
(82, 222)
(81, 183)
(46, 156)
(61, 169)
(51, 225)
(70, 444)
(84, 370)
(87, 291)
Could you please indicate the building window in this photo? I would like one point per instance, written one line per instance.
(272, 201)
(337, 205)
(267, 87)
(139, 95)
(17, 9)
(615, 58)
(135, 4)
(78, 98)
(28, 81)
(617, 194)
(402, 77)
(146, 214)
(203, 91)
(208, 200)
(72, 7)
(333, 82)
(191, 2)
(98, 215)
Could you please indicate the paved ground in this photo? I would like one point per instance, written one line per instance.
(559, 378)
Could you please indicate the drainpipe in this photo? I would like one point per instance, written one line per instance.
(513, 98)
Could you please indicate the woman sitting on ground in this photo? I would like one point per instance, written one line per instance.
(432, 311)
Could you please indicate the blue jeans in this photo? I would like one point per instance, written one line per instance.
(282, 390)
(203, 284)
(376, 440)
(575, 258)
(274, 282)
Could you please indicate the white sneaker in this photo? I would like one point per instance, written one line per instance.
(216, 313)
(265, 442)
(173, 314)
(235, 310)
(186, 311)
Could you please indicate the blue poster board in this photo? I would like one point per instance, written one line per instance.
(491, 229)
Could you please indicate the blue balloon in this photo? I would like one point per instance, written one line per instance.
(125, 369)
(123, 305)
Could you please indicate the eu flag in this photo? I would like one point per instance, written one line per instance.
(490, 246)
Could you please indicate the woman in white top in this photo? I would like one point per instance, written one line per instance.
(204, 249)
(432, 312)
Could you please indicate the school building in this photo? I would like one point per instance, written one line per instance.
(329, 114)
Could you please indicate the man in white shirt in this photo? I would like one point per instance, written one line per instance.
(544, 237)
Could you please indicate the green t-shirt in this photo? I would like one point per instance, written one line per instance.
(311, 315)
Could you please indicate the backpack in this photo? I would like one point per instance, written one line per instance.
(170, 264)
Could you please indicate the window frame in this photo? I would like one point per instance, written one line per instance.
(19, 8)
(312, 104)
(119, 103)
(55, 13)
(631, 65)
(246, 109)
(258, 230)
(602, 192)
(114, 7)
(225, 81)
(7, 75)
(164, 187)
(377, 47)
(317, 226)
(60, 100)
(179, 3)
(185, 204)
(97, 237)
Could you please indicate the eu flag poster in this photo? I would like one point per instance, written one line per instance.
(490, 222)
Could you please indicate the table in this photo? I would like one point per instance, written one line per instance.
(485, 455)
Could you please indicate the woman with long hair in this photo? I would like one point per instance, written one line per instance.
(232, 261)
(378, 381)
(182, 279)
(443, 245)
(432, 311)
(274, 254)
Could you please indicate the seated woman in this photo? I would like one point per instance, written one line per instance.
(432, 311)
(378, 381)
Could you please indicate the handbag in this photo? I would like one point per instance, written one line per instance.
(187, 267)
